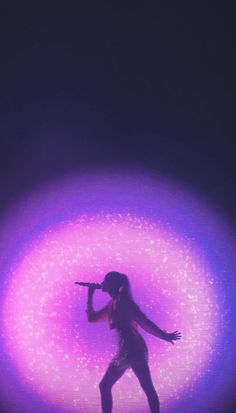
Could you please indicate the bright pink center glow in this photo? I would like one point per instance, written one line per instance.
(61, 356)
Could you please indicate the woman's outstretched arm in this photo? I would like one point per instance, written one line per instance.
(93, 315)
(151, 327)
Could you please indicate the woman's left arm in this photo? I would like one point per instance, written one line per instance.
(151, 327)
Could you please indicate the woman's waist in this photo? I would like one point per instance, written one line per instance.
(129, 332)
(124, 326)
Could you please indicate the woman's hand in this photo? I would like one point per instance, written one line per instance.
(171, 337)
(91, 290)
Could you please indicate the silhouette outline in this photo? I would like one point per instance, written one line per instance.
(124, 315)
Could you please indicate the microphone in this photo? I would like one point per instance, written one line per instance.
(95, 285)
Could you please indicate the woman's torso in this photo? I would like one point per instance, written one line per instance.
(121, 317)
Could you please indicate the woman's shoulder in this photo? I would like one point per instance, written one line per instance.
(126, 300)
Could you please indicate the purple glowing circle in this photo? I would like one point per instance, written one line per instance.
(95, 228)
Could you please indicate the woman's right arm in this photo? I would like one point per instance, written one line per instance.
(93, 315)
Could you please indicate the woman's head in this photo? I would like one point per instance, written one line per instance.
(114, 283)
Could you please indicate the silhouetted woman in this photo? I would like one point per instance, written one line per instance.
(124, 315)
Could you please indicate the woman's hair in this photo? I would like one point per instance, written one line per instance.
(120, 281)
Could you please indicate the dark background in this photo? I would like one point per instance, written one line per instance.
(93, 85)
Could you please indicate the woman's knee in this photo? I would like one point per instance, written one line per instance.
(148, 388)
(104, 386)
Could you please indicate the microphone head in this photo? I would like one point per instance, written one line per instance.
(88, 284)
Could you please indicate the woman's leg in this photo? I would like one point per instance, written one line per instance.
(142, 372)
(112, 374)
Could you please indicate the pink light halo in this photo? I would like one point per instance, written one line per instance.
(87, 226)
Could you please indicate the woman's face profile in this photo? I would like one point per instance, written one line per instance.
(110, 286)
